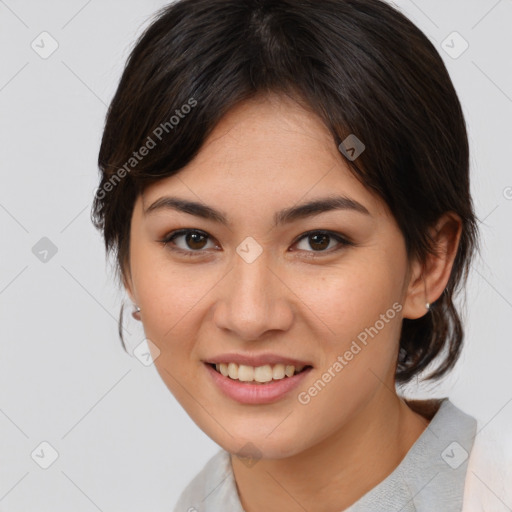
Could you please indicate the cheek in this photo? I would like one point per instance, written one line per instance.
(174, 301)
(356, 311)
(170, 303)
(346, 300)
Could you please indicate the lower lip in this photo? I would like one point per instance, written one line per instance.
(249, 393)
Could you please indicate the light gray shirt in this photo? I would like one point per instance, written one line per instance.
(430, 478)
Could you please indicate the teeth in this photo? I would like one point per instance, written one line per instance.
(260, 374)
(233, 370)
(223, 369)
(278, 371)
(263, 373)
(245, 373)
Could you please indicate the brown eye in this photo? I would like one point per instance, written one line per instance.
(319, 241)
(193, 241)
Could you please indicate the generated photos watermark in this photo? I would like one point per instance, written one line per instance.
(304, 397)
(150, 143)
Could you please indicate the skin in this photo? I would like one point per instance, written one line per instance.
(265, 155)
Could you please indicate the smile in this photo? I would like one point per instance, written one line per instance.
(259, 374)
(251, 391)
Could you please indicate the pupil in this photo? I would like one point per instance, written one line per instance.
(325, 237)
(192, 239)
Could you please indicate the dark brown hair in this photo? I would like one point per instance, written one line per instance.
(361, 65)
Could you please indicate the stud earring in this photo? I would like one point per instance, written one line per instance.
(427, 304)
(136, 312)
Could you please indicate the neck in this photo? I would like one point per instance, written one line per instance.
(335, 473)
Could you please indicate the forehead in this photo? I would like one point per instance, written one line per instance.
(268, 150)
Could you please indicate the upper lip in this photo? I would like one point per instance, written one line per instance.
(255, 360)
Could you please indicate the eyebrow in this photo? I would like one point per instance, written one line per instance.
(284, 216)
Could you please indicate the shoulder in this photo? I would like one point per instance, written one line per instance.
(431, 475)
(212, 489)
(489, 476)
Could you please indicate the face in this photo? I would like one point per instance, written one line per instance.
(323, 287)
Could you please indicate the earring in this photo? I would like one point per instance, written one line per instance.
(136, 312)
(427, 304)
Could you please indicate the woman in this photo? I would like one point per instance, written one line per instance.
(285, 186)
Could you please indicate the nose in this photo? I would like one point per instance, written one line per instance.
(253, 300)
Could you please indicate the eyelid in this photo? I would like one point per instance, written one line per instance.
(341, 239)
(333, 234)
(170, 237)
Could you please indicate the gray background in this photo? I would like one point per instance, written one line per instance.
(123, 442)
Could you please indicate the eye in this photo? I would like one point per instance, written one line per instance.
(320, 240)
(192, 239)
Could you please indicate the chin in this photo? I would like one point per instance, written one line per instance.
(260, 445)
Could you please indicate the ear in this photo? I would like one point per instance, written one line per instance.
(427, 281)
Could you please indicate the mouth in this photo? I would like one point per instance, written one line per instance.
(258, 385)
(259, 375)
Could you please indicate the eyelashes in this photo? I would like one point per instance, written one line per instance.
(314, 238)
(193, 235)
